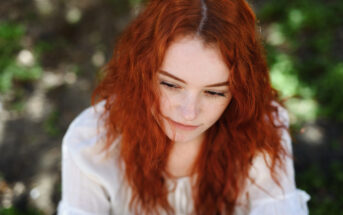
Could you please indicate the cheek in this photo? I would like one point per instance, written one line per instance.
(215, 110)
(165, 104)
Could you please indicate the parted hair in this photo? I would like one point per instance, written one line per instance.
(130, 88)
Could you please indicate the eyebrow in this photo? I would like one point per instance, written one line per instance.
(225, 83)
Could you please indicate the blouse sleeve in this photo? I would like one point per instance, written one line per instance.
(265, 197)
(82, 192)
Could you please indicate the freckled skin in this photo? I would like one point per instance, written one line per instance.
(199, 66)
(191, 103)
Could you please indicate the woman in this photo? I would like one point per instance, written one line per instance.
(185, 121)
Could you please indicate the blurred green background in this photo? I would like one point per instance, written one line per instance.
(51, 50)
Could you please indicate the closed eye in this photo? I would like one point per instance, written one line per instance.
(169, 85)
(209, 93)
(213, 93)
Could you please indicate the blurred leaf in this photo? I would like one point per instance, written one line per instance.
(5, 81)
(24, 73)
(51, 124)
(301, 55)
(11, 31)
(15, 211)
(10, 36)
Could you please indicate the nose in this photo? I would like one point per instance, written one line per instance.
(189, 107)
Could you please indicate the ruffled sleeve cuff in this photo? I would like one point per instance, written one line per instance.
(289, 204)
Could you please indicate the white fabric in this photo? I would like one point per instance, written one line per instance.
(92, 183)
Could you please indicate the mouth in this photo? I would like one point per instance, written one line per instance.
(183, 126)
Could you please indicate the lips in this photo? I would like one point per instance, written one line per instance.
(183, 126)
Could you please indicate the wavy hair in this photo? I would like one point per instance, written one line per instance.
(129, 87)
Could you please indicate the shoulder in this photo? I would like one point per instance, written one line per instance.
(281, 120)
(91, 173)
(83, 143)
(262, 162)
(87, 130)
(281, 117)
(83, 134)
(84, 125)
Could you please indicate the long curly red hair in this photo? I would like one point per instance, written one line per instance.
(129, 87)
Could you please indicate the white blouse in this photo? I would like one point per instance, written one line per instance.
(93, 184)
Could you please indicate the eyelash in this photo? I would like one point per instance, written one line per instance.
(208, 93)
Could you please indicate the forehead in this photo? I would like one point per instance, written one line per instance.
(190, 59)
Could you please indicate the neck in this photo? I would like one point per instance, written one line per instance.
(182, 158)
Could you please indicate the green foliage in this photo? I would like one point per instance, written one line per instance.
(120, 7)
(307, 67)
(135, 2)
(325, 184)
(302, 55)
(15, 211)
(51, 124)
(10, 37)
(330, 91)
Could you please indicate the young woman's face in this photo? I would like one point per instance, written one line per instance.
(193, 81)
